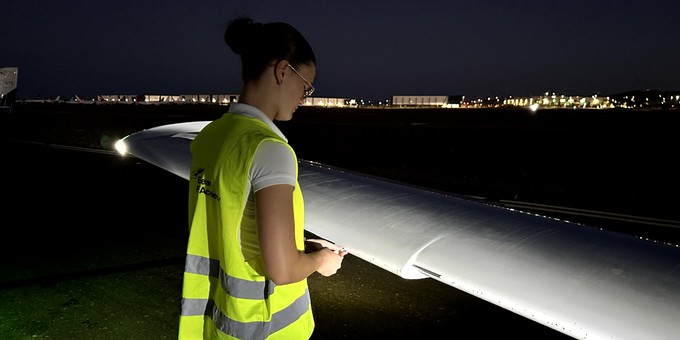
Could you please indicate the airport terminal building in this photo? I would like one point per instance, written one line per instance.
(221, 99)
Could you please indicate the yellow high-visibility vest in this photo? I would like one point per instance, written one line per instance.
(225, 296)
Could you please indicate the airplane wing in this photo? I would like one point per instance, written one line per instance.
(582, 281)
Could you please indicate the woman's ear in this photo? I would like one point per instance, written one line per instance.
(280, 70)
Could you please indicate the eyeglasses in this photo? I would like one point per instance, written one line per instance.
(308, 90)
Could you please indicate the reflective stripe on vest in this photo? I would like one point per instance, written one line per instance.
(238, 288)
(246, 330)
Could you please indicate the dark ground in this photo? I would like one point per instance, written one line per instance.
(88, 256)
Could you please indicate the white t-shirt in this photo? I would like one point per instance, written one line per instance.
(273, 162)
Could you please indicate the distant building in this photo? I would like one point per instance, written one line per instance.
(220, 99)
(8, 87)
(427, 101)
(326, 102)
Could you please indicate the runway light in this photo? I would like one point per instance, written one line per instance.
(121, 147)
(533, 107)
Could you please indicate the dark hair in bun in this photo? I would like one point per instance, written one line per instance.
(259, 44)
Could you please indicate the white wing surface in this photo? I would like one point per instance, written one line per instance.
(579, 280)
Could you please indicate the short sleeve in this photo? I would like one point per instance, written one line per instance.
(273, 163)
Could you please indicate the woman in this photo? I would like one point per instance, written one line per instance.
(246, 268)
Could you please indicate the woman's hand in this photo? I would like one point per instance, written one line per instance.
(316, 244)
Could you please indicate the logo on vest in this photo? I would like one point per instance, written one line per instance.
(203, 185)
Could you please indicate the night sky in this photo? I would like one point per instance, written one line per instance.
(365, 49)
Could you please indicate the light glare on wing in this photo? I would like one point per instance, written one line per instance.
(121, 147)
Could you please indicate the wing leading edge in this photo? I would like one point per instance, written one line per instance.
(581, 281)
